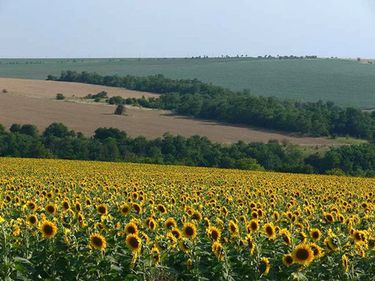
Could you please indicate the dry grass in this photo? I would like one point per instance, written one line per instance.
(32, 102)
(49, 89)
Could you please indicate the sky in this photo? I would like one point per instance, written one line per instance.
(184, 28)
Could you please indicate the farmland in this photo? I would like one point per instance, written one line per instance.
(111, 221)
(33, 101)
(345, 82)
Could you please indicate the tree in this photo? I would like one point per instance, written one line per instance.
(120, 110)
(60, 96)
(58, 130)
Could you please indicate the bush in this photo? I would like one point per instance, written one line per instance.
(60, 96)
(116, 100)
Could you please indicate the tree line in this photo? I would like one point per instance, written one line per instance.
(203, 100)
(110, 144)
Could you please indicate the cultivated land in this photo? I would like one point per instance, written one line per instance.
(345, 82)
(33, 102)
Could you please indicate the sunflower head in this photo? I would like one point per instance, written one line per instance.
(253, 226)
(233, 228)
(32, 220)
(287, 260)
(189, 230)
(102, 209)
(286, 236)
(176, 233)
(264, 266)
(125, 209)
(48, 229)
(345, 263)
(269, 230)
(131, 228)
(251, 243)
(170, 223)
(317, 250)
(155, 254)
(218, 250)
(134, 243)
(214, 233)
(303, 255)
(51, 208)
(97, 242)
(315, 234)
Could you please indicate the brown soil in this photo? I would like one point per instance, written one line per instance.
(49, 89)
(32, 102)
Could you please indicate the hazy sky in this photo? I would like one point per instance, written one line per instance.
(169, 28)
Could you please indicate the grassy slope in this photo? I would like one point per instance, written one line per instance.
(344, 82)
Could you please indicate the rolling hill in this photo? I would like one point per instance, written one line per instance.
(345, 82)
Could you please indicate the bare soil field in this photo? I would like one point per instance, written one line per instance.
(49, 89)
(32, 102)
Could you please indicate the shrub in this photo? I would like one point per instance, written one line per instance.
(60, 96)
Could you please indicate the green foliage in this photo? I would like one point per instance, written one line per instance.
(60, 96)
(110, 144)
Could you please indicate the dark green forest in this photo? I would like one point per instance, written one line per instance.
(203, 100)
(109, 144)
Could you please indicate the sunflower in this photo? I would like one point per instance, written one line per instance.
(48, 229)
(253, 226)
(98, 242)
(137, 208)
(218, 250)
(214, 233)
(78, 206)
(161, 209)
(233, 228)
(31, 205)
(125, 209)
(303, 254)
(328, 217)
(189, 264)
(287, 260)
(134, 243)
(331, 243)
(170, 223)
(65, 205)
(285, 234)
(131, 228)
(345, 263)
(155, 254)
(51, 208)
(302, 237)
(189, 230)
(196, 216)
(315, 234)
(151, 223)
(172, 239)
(269, 230)
(250, 243)
(359, 236)
(32, 220)
(176, 233)
(102, 209)
(264, 266)
(318, 251)
(185, 245)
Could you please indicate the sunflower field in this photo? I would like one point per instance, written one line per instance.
(75, 220)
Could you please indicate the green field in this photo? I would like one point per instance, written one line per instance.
(345, 82)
